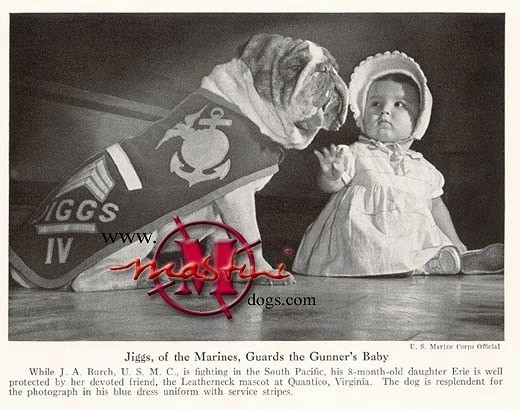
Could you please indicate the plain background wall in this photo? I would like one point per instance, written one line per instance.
(157, 59)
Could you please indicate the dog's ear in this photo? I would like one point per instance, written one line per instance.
(241, 48)
(260, 44)
(251, 40)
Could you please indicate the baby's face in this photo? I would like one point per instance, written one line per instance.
(391, 111)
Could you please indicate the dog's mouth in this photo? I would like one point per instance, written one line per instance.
(310, 123)
(334, 112)
(328, 116)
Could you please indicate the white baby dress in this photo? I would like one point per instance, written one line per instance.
(381, 221)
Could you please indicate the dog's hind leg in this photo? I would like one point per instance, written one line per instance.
(99, 277)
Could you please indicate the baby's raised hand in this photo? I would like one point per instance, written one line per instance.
(332, 161)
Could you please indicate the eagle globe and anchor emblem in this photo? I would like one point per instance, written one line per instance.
(202, 150)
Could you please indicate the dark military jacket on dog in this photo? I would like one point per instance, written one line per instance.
(202, 150)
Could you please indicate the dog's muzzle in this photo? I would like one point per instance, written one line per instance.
(329, 94)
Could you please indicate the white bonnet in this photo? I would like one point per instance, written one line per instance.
(377, 66)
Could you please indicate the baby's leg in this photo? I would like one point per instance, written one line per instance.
(481, 261)
(487, 260)
(446, 262)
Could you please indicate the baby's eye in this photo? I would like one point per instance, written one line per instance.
(400, 104)
(374, 103)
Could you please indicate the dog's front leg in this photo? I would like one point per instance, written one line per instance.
(237, 209)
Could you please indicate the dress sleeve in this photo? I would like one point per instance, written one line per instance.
(349, 160)
(437, 183)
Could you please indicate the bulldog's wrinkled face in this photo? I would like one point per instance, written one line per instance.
(300, 80)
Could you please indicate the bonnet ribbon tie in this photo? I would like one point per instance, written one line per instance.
(396, 153)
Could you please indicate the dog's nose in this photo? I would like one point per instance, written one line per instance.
(341, 91)
(323, 67)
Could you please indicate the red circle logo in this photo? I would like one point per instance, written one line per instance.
(216, 269)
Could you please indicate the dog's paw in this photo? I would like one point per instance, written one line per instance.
(101, 278)
(266, 280)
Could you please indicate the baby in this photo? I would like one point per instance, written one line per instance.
(386, 215)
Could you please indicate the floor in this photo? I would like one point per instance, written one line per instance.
(406, 308)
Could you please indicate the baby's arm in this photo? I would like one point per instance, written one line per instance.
(332, 164)
(442, 218)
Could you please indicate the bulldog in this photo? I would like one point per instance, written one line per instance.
(203, 161)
